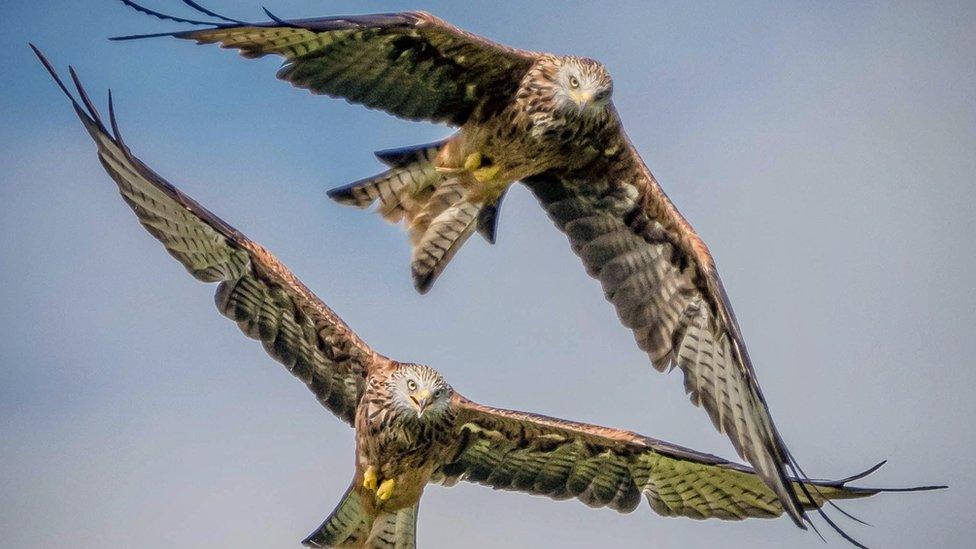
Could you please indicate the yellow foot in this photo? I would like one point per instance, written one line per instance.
(385, 491)
(484, 175)
(370, 479)
(476, 164)
(473, 162)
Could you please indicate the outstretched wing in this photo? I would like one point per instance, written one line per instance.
(265, 299)
(662, 281)
(605, 467)
(412, 65)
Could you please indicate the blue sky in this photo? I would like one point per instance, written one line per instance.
(823, 150)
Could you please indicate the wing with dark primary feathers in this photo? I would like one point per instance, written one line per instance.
(265, 299)
(661, 279)
(412, 64)
(604, 467)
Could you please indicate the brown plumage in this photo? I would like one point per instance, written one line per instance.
(520, 113)
(547, 121)
(412, 428)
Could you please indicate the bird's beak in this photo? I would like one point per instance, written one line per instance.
(583, 98)
(420, 401)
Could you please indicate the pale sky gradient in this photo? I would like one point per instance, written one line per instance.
(825, 151)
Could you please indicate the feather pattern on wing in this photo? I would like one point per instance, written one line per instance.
(603, 467)
(412, 65)
(256, 290)
(662, 281)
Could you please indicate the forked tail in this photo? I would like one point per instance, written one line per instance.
(351, 525)
(431, 204)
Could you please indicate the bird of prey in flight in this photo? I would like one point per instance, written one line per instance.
(547, 121)
(412, 428)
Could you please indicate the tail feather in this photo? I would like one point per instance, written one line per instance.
(400, 191)
(433, 206)
(403, 156)
(392, 189)
(348, 525)
(447, 194)
(447, 232)
(395, 530)
(488, 220)
(351, 525)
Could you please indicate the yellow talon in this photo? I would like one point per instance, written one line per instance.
(472, 162)
(385, 491)
(370, 479)
(485, 175)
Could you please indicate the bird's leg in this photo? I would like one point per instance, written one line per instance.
(486, 175)
(473, 161)
(481, 167)
(477, 164)
(370, 478)
(385, 491)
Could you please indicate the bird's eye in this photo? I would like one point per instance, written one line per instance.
(573, 82)
(437, 393)
(412, 385)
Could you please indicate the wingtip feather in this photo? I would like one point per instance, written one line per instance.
(50, 69)
(211, 13)
(90, 116)
(275, 18)
(863, 474)
(112, 120)
(176, 34)
(166, 17)
(85, 99)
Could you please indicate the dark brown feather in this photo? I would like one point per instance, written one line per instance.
(603, 467)
(412, 64)
(662, 281)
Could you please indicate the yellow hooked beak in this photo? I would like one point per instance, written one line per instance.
(420, 401)
(583, 98)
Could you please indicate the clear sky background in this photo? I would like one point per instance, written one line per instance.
(825, 151)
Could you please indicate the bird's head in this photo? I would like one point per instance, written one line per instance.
(420, 391)
(583, 85)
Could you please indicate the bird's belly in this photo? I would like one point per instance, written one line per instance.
(410, 485)
(519, 156)
(488, 158)
(507, 159)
